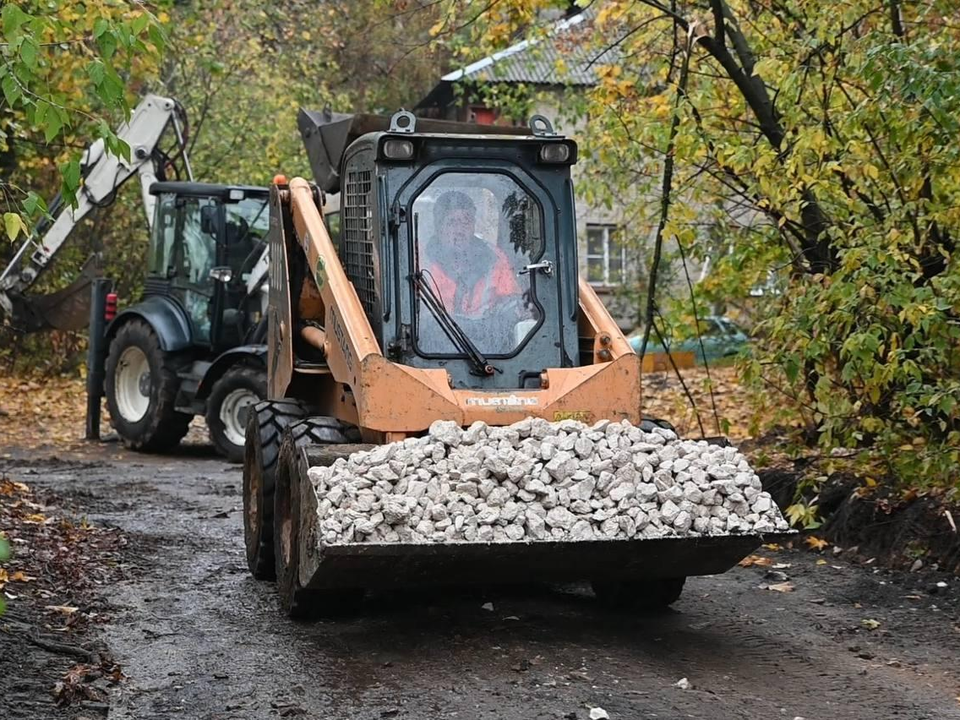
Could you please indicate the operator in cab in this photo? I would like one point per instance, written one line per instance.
(471, 275)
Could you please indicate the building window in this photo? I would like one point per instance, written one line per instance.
(606, 257)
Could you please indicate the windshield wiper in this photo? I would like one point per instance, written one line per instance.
(451, 328)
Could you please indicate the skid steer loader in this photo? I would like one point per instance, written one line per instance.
(363, 351)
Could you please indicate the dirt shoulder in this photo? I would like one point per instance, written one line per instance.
(794, 634)
(54, 663)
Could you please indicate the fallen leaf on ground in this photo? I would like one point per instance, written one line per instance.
(755, 560)
(815, 543)
(870, 624)
(783, 587)
(65, 609)
(21, 576)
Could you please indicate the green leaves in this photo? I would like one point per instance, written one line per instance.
(13, 18)
(29, 49)
(70, 173)
(34, 204)
(61, 79)
(13, 225)
(823, 172)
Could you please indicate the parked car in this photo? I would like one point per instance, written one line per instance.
(721, 336)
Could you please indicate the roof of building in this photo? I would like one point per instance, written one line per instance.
(559, 58)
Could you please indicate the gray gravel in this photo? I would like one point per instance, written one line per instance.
(536, 480)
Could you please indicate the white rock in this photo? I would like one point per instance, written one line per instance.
(537, 480)
(447, 432)
(682, 521)
(560, 517)
(669, 512)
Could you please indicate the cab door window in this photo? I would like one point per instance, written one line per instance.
(245, 232)
(195, 256)
(162, 248)
(475, 233)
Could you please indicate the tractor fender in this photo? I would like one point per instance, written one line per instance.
(164, 315)
(254, 355)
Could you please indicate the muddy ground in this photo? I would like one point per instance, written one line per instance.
(197, 637)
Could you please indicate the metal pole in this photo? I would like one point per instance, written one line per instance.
(96, 352)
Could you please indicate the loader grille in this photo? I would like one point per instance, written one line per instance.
(357, 237)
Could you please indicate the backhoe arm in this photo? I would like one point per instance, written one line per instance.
(103, 174)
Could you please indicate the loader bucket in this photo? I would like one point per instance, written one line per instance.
(395, 565)
(378, 565)
(65, 309)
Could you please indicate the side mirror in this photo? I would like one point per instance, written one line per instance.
(208, 220)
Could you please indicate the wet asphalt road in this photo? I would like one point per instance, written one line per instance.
(198, 637)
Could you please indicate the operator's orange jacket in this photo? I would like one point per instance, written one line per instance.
(500, 282)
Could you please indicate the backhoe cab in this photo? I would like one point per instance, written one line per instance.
(189, 347)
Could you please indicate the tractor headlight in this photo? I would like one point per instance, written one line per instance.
(554, 153)
(398, 150)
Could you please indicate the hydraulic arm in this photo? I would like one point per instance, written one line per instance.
(103, 174)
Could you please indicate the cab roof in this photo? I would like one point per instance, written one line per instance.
(195, 189)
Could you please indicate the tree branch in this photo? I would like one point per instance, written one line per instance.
(718, 7)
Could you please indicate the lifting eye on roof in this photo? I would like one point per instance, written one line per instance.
(403, 121)
(540, 126)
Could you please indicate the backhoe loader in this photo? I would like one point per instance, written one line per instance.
(186, 347)
(411, 319)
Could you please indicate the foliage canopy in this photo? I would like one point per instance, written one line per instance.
(815, 156)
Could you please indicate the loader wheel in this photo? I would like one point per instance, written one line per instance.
(265, 425)
(231, 400)
(141, 386)
(297, 602)
(654, 594)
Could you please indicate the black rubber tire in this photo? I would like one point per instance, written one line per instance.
(240, 377)
(655, 594)
(161, 427)
(265, 426)
(320, 430)
(297, 602)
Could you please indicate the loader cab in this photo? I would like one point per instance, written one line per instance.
(205, 242)
(462, 249)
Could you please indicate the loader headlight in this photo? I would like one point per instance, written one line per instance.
(398, 150)
(554, 153)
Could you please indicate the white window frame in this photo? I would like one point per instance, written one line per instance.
(610, 246)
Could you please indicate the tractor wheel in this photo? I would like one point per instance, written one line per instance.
(231, 400)
(297, 602)
(141, 388)
(266, 422)
(654, 594)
